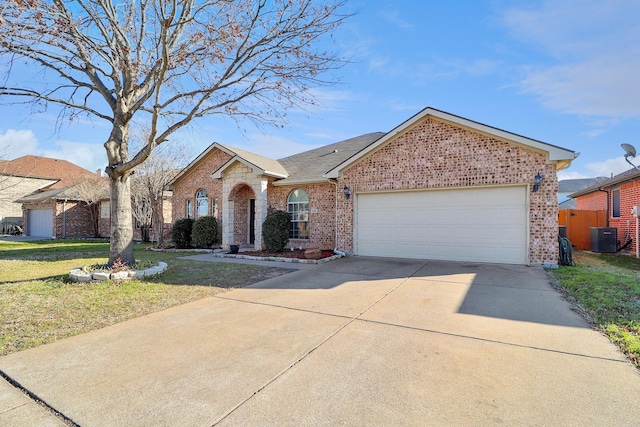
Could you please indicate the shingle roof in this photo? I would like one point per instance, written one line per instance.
(313, 164)
(45, 167)
(73, 192)
(628, 175)
(264, 163)
(567, 204)
(573, 185)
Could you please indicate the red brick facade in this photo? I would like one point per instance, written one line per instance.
(430, 154)
(596, 201)
(629, 197)
(322, 207)
(73, 220)
(195, 179)
(434, 154)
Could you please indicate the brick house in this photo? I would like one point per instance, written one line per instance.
(616, 196)
(60, 213)
(29, 175)
(438, 186)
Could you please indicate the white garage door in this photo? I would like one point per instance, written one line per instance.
(481, 225)
(40, 222)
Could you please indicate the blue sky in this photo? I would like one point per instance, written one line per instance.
(564, 72)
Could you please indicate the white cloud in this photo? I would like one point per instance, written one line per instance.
(592, 44)
(393, 16)
(607, 167)
(17, 143)
(603, 86)
(88, 156)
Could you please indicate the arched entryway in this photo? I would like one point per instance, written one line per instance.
(242, 213)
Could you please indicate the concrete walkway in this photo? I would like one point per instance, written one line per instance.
(353, 342)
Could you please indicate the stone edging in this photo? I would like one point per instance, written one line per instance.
(77, 275)
(223, 254)
(278, 258)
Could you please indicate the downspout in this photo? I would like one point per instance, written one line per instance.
(64, 219)
(606, 215)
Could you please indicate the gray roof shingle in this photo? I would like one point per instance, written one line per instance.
(313, 164)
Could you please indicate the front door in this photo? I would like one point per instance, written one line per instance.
(252, 221)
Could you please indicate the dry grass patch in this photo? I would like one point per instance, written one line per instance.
(608, 287)
(38, 304)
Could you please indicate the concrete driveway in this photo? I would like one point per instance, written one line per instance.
(358, 341)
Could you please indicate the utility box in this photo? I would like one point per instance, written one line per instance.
(635, 211)
(604, 239)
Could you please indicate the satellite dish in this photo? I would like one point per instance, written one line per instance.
(630, 149)
(631, 152)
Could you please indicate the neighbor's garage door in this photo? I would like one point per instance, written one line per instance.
(482, 225)
(40, 222)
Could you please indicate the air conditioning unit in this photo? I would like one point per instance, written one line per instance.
(604, 239)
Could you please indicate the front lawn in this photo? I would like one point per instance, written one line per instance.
(38, 304)
(608, 287)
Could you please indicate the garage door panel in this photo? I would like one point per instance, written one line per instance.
(40, 222)
(485, 224)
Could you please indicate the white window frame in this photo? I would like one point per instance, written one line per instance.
(201, 198)
(298, 210)
(105, 209)
(188, 208)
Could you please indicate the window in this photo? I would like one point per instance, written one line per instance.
(298, 209)
(615, 202)
(188, 209)
(105, 209)
(202, 203)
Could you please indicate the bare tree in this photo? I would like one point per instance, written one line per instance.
(90, 192)
(166, 63)
(150, 183)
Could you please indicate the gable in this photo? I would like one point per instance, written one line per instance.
(203, 166)
(434, 153)
(560, 156)
(63, 172)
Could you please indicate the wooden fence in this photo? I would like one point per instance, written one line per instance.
(579, 223)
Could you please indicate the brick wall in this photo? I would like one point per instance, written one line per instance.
(322, 219)
(592, 202)
(436, 154)
(73, 219)
(626, 223)
(199, 176)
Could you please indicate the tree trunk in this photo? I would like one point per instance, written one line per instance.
(121, 222)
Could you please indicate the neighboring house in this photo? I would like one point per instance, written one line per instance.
(570, 186)
(30, 174)
(616, 196)
(438, 186)
(105, 220)
(62, 213)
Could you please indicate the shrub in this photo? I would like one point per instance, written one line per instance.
(275, 231)
(181, 233)
(204, 232)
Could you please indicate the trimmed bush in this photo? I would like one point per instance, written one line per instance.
(181, 233)
(204, 232)
(275, 231)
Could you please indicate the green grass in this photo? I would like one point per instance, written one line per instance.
(39, 305)
(608, 286)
